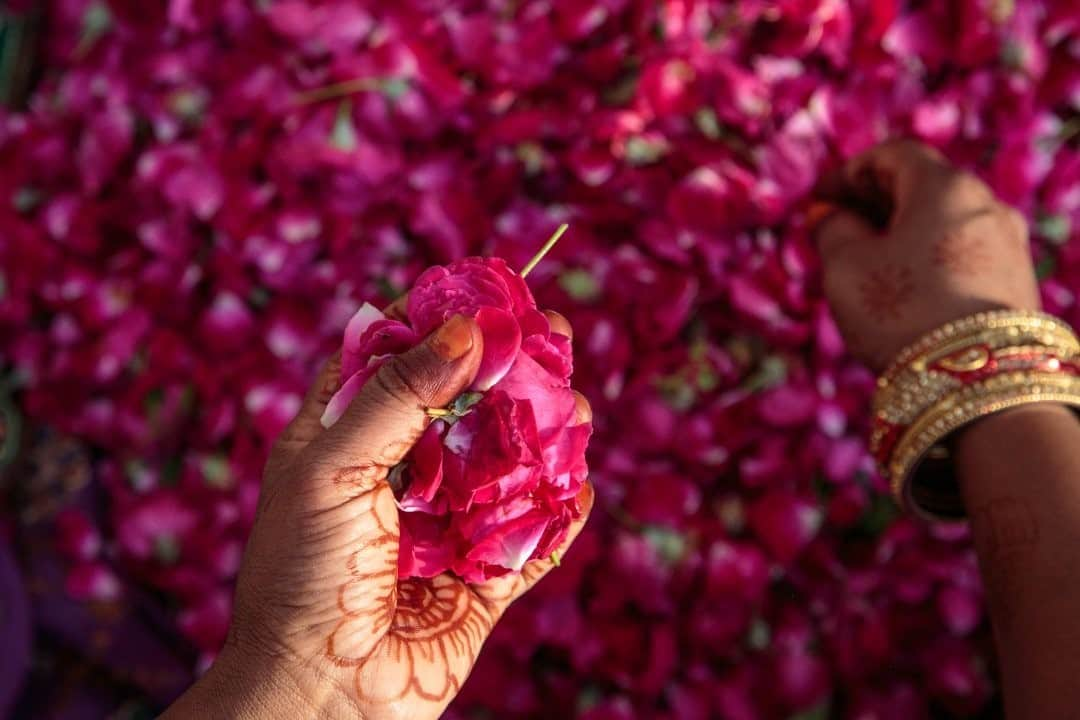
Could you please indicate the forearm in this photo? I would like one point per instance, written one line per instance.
(1020, 475)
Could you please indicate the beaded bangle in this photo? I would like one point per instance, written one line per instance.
(955, 375)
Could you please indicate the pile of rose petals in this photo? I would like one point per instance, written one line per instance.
(201, 194)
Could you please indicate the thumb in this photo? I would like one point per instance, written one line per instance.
(388, 415)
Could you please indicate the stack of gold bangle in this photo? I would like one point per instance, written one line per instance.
(951, 377)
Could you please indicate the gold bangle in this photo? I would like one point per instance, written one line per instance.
(911, 391)
(1044, 328)
(962, 408)
(949, 378)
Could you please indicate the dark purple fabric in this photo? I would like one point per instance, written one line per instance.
(14, 629)
(122, 636)
(91, 659)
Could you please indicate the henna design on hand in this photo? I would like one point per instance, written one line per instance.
(394, 451)
(368, 599)
(433, 641)
(421, 636)
(886, 290)
(961, 254)
(363, 477)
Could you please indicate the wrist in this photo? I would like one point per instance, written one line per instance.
(255, 688)
(245, 687)
(990, 431)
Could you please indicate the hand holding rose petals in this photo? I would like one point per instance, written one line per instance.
(494, 482)
(950, 249)
(323, 625)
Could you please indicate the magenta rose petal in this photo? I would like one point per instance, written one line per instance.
(552, 402)
(502, 341)
(92, 581)
(509, 546)
(424, 550)
(534, 322)
(358, 325)
(523, 479)
(554, 535)
(785, 523)
(552, 353)
(339, 401)
(564, 457)
(381, 337)
(478, 521)
(425, 469)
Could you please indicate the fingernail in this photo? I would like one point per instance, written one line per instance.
(559, 324)
(817, 212)
(453, 339)
(585, 496)
(582, 409)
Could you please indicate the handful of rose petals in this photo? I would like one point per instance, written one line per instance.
(493, 481)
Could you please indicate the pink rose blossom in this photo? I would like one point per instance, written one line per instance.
(495, 484)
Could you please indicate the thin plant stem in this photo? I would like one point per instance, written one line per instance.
(543, 251)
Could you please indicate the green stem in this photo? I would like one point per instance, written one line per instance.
(543, 251)
(336, 90)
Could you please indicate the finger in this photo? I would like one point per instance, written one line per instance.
(559, 324)
(582, 408)
(499, 593)
(839, 230)
(898, 169)
(387, 416)
(399, 309)
(305, 427)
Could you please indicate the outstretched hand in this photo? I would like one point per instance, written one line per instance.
(322, 625)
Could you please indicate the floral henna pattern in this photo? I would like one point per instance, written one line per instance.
(392, 453)
(886, 290)
(434, 639)
(362, 477)
(423, 635)
(961, 254)
(436, 632)
(369, 598)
